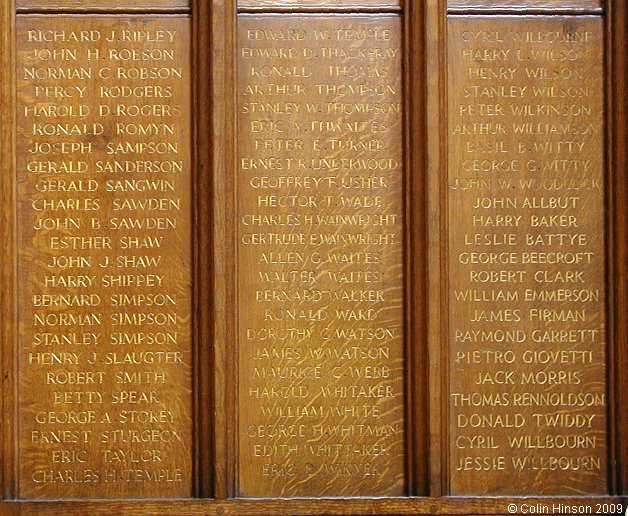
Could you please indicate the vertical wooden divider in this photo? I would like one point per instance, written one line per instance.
(617, 113)
(417, 280)
(8, 320)
(221, 25)
(436, 186)
(205, 301)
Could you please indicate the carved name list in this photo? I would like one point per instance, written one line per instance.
(103, 171)
(320, 256)
(527, 295)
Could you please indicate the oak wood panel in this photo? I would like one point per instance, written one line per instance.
(416, 256)
(528, 357)
(8, 325)
(205, 391)
(320, 279)
(436, 217)
(222, 87)
(315, 507)
(220, 19)
(496, 5)
(104, 159)
(100, 4)
(319, 5)
(617, 109)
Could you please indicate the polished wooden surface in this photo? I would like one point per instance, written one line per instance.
(318, 5)
(617, 86)
(548, 5)
(320, 177)
(100, 4)
(215, 321)
(446, 506)
(103, 173)
(8, 326)
(527, 258)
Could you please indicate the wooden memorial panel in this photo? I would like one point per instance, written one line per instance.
(104, 272)
(527, 297)
(312, 257)
(320, 256)
(490, 5)
(105, 5)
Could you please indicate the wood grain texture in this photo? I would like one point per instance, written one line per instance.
(476, 506)
(318, 5)
(214, 290)
(205, 399)
(617, 74)
(103, 168)
(523, 5)
(8, 311)
(320, 256)
(110, 5)
(416, 253)
(528, 400)
(222, 22)
(436, 217)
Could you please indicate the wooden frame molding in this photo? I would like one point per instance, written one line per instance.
(617, 38)
(8, 270)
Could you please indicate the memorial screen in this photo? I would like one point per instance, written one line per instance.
(313, 256)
